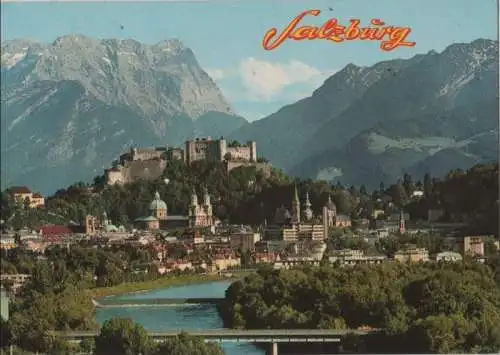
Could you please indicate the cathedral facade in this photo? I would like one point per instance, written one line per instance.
(200, 214)
(300, 223)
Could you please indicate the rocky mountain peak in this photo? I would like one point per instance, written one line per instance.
(171, 45)
(77, 103)
(157, 80)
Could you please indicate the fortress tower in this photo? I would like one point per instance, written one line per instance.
(215, 150)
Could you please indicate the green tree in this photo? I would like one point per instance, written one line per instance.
(184, 344)
(438, 334)
(408, 184)
(398, 194)
(5, 333)
(87, 345)
(428, 186)
(121, 336)
(421, 307)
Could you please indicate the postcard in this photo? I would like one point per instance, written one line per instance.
(250, 177)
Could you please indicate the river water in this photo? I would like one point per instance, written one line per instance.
(180, 317)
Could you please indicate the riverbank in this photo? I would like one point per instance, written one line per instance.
(163, 282)
(190, 318)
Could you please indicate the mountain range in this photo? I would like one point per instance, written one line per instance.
(69, 108)
(430, 113)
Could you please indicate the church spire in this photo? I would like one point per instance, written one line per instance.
(194, 198)
(207, 197)
(402, 224)
(330, 205)
(157, 195)
(308, 203)
(308, 212)
(295, 206)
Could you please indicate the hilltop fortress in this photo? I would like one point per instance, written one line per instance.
(149, 163)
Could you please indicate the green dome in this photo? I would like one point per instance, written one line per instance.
(157, 203)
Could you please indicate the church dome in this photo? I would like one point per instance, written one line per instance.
(157, 203)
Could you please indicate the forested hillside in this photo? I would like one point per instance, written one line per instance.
(247, 196)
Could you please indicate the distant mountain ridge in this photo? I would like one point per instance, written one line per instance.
(440, 106)
(70, 107)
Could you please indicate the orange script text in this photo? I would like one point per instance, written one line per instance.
(390, 37)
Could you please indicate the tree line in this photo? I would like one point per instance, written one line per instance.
(121, 336)
(247, 196)
(422, 308)
(57, 295)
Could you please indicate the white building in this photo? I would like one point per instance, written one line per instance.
(448, 256)
(353, 257)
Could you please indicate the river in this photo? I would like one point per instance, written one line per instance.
(180, 317)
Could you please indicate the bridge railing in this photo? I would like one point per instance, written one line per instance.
(208, 333)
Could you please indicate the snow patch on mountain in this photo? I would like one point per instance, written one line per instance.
(379, 144)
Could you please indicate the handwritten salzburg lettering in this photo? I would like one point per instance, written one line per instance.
(391, 37)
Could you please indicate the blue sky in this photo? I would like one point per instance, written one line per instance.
(226, 36)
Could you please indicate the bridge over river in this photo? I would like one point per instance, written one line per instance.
(270, 336)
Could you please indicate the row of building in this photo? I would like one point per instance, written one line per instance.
(222, 255)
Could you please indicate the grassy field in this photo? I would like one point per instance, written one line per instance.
(164, 282)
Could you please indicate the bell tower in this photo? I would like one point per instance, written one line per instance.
(208, 208)
(308, 212)
(402, 224)
(296, 207)
(193, 209)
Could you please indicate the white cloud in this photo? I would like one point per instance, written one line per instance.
(255, 80)
(266, 79)
(216, 74)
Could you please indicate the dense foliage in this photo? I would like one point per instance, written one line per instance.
(421, 308)
(56, 296)
(465, 196)
(246, 195)
(121, 336)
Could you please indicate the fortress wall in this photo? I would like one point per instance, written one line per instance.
(240, 153)
(147, 154)
(264, 167)
(143, 170)
(114, 177)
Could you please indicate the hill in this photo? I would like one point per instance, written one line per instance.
(74, 105)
